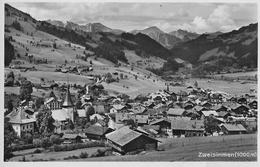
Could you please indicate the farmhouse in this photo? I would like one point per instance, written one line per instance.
(175, 112)
(126, 140)
(231, 129)
(97, 132)
(188, 128)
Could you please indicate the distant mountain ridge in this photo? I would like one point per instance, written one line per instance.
(158, 35)
(184, 35)
(90, 27)
(237, 48)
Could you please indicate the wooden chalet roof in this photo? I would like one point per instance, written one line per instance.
(96, 130)
(123, 136)
(183, 124)
(176, 111)
(234, 127)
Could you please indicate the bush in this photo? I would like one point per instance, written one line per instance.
(45, 142)
(22, 147)
(55, 139)
(37, 151)
(37, 142)
(17, 25)
(83, 155)
(76, 146)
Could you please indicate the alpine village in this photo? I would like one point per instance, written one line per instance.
(101, 94)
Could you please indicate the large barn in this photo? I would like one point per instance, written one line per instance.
(126, 140)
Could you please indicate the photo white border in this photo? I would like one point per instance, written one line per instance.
(114, 164)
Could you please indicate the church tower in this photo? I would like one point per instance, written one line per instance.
(68, 105)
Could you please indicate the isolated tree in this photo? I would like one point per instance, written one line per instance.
(70, 125)
(54, 45)
(196, 84)
(45, 122)
(9, 137)
(10, 79)
(9, 107)
(26, 90)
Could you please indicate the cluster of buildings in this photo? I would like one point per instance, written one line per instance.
(129, 125)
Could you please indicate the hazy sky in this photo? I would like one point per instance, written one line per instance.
(196, 17)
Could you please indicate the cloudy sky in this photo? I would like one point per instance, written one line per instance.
(195, 17)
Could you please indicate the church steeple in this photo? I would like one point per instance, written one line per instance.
(67, 101)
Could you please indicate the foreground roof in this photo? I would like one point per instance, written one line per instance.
(123, 136)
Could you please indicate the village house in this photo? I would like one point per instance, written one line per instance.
(163, 123)
(126, 140)
(253, 104)
(21, 121)
(73, 138)
(94, 132)
(175, 112)
(208, 113)
(231, 129)
(187, 128)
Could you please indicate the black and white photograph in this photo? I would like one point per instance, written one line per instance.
(111, 81)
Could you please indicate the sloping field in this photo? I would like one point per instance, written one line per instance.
(188, 149)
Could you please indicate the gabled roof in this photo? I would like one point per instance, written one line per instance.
(176, 111)
(199, 108)
(158, 121)
(96, 130)
(123, 136)
(19, 116)
(118, 106)
(210, 112)
(182, 124)
(234, 127)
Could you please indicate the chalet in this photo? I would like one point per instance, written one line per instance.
(199, 108)
(231, 129)
(206, 104)
(118, 108)
(188, 128)
(224, 114)
(21, 121)
(242, 100)
(241, 109)
(193, 114)
(72, 138)
(138, 109)
(219, 108)
(163, 123)
(141, 119)
(174, 112)
(99, 108)
(97, 132)
(126, 140)
(253, 104)
(119, 117)
(209, 113)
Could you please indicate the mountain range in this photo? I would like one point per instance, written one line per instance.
(218, 50)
